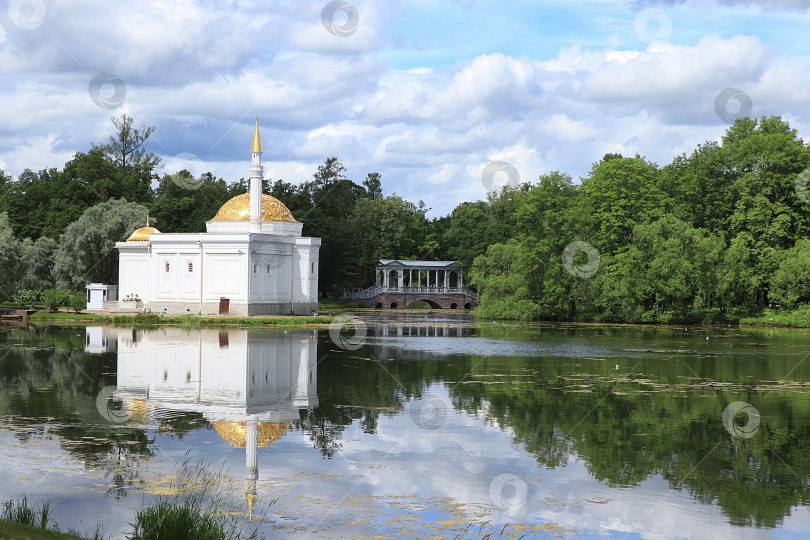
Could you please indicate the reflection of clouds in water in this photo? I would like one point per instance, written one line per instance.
(497, 347)
(466, 454)
(400, 465)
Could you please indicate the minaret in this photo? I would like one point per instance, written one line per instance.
(256, 175)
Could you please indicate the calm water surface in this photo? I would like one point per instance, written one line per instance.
(421, 426)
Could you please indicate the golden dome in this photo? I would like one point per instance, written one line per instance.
(142, 234)
(235, 433)
(238, 209)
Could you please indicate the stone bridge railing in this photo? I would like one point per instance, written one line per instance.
(371, 292)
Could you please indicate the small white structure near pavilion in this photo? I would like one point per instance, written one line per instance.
(252, 260)
(100, 293)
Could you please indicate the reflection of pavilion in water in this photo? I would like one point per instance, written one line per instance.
(250, 385)
(419, 329)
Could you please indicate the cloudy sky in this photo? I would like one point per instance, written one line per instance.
(425, 93)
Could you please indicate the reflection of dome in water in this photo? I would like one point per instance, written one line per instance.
(238, 209)
(235, 433)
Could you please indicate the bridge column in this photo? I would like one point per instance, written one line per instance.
(401, 278)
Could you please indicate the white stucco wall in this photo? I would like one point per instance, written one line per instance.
(170, 271)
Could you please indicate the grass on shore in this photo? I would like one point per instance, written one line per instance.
(21, 521)
(18, 531)
(336, 304)
(797, 318)
(153, 319)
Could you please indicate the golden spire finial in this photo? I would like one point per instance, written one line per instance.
(257, 142)
(147, 220)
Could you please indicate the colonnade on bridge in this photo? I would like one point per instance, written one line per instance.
(392, 274)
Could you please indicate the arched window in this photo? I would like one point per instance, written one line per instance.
(167, 267)
(190, 267)
(268, 268)
(254, 268)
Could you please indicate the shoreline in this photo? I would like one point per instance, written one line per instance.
(151, 319)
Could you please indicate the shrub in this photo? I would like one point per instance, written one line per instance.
(78, 302)
(53, 298)
(26, 297)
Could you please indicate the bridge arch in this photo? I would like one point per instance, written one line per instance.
(428, 301)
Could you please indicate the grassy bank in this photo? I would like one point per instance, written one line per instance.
(21, 521)
(336, 305)
(797, 318)
(18, 531)
(153, 319)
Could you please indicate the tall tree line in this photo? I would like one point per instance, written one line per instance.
(720, 231)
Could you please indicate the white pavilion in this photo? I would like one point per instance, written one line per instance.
(252, 260)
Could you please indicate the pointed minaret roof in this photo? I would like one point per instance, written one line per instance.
(257, 142)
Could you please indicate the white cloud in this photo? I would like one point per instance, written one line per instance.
(200, 73)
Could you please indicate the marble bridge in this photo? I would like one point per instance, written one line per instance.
(399, 283)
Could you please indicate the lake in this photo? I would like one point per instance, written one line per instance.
(415, 425)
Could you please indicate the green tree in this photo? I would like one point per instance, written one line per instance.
(373, 185)
(619, 194)
(791, 281)
(178, 208)
(86, 249)
(501, 278)
(384, 228)
(37, 263)
(9, 260)
(126, 149)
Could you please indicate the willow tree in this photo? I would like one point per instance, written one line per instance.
(86, 251)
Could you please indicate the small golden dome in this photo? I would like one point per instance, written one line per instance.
(235, 433)
(142, 234)
(238, 209)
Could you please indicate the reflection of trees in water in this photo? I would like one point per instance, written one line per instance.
(627, 437)
(46, 377)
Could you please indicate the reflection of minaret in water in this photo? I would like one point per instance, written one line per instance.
(251, 461)
(250, 385)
